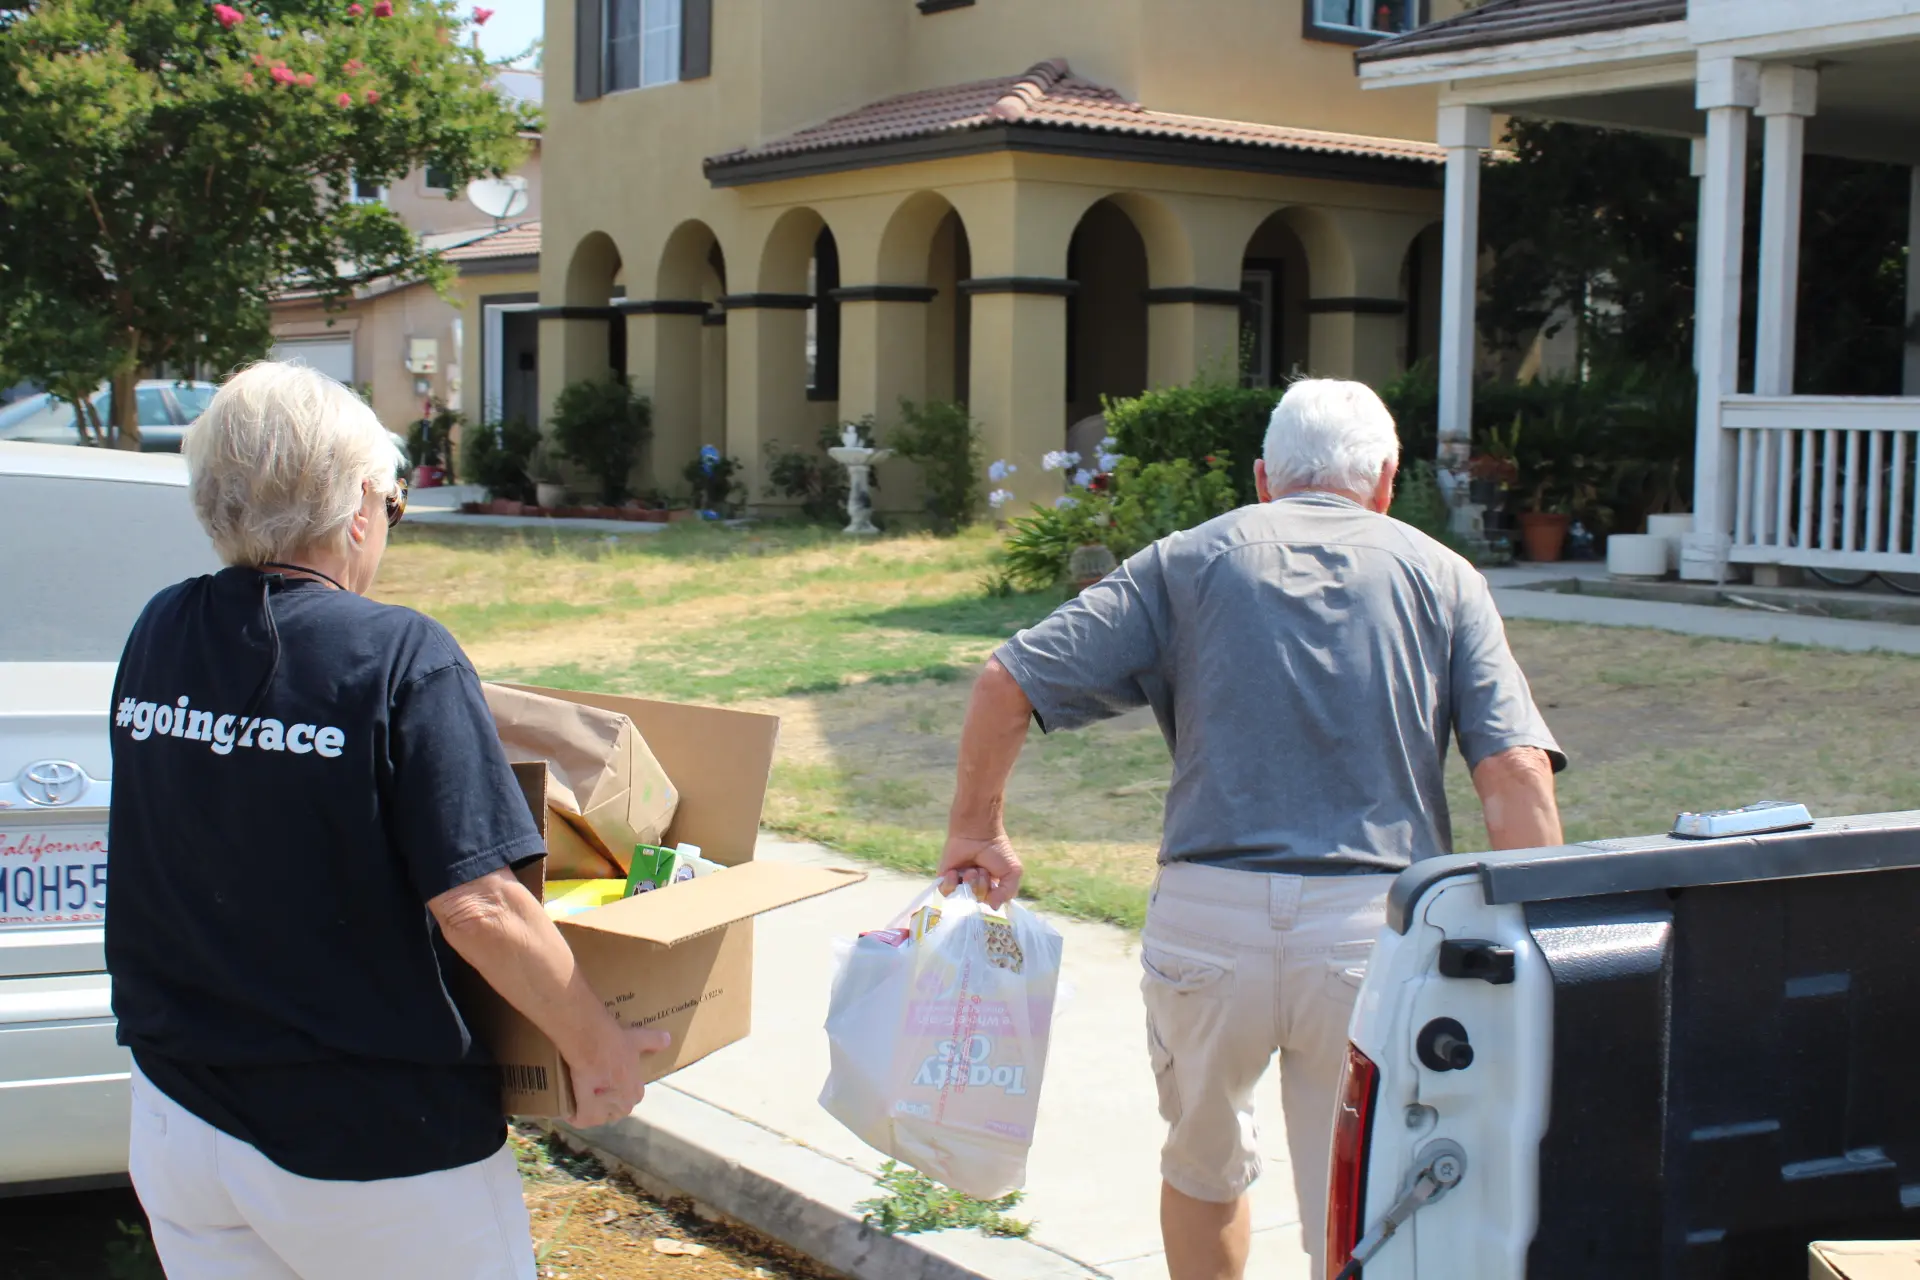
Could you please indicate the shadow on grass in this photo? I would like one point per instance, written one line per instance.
(982, 617)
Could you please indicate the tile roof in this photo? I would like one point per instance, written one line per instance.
(507, 242)
(1049, 96)
(1510, 21)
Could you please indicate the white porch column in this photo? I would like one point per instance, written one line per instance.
(1913, 290)
(1788, 95)
(1697, 166)
(1465, 132)
(1727, 90)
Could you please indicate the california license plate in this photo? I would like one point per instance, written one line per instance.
(54, 873)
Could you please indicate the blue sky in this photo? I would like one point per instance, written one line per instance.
(515, 25)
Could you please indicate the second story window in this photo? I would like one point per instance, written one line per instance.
(438, 178)
(368, 191)
(643, 43)
(1362, 19)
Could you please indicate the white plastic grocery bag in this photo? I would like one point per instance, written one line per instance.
(938, 1026)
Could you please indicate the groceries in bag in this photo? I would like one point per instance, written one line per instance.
(938, 1028)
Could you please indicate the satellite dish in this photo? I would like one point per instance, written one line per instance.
(498, 198)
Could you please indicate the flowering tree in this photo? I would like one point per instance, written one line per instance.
(167, 166)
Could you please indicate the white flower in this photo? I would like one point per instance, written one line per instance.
(1108, 461)
(1083, 477)
(1000, 470)
(1065, 503)
(1060, 460)
(999, 498)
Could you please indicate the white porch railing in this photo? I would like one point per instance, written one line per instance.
(1826, 482)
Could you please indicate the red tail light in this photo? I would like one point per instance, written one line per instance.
(1352, 1143)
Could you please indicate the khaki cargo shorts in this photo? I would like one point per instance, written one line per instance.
(1239, 966)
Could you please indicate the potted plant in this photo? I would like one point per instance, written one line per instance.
(601, 427)
(712, 476)
(543, 472)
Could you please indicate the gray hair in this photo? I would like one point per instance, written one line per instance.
(279, 462)
(1328, 434)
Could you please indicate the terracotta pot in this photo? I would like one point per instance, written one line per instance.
(473, 508)
(505, 507)
(1544, 534)
(676, 517)
(653, 517)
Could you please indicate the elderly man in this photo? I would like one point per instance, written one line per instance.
(1308, 659)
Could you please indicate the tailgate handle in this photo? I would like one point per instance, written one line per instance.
(1474, 958)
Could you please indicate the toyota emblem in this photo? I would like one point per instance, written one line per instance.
(52, 782)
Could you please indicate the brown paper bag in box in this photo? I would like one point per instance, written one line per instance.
(605, 787)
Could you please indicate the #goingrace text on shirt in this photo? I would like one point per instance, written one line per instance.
(223, 733)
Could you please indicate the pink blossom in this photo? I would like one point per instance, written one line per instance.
(344, 100)
(246, 78)
(383, 9)
(281, 75)
(354, 66)
(229, 16)
(373, 96)
(480, 17)
(354, 11)
(306, 78)
(259, 60)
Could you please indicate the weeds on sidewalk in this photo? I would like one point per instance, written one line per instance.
(914, 1203)
(132, 1256)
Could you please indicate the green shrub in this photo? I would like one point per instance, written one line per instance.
(495, 456)
(1207, 418)
(1417, 501)
(1141, 504)
(601, 426)
(714, 479)
(430, 439)
(945, 443)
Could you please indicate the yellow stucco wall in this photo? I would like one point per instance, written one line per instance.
(628, 200)
(381, 326)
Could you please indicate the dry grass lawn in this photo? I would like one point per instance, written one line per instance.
(865, 651)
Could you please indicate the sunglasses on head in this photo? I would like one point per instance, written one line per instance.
(397, 501)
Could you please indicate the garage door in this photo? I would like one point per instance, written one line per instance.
(331, 356)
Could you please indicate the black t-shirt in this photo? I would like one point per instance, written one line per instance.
(289, 791)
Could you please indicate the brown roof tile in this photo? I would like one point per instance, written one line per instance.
(508, 242)
(1510, 21)
(1049, 96)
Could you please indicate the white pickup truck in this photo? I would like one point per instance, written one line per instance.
(1659, 1057)
(86, 538)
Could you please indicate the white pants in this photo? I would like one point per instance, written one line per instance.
(222, 1211)
(1240, 966)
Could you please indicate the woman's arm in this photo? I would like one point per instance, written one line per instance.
(499, 928)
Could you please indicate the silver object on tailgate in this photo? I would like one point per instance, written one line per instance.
(1766, 815)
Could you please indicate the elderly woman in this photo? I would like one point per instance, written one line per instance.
(311, 816)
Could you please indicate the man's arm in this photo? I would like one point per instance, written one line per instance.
(977, 847)
(1516, 795)
(503, 932)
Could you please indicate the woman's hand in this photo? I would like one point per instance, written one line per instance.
(609, 1087)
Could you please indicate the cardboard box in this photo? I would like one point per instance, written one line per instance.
(1864, 1260)
(682, 958)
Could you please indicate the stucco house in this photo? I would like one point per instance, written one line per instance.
(772, 216)
(397, 340)
(1780, 480)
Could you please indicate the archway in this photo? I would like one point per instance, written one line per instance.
(1275, 337)
(595, 343)
(1107, 313)
(684, 358)
(1420, 286)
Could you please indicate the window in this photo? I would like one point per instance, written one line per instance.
(438, 178)
(643, 43)
(1362, 19)
(368, 191)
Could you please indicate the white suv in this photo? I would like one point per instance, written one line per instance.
(89, 536)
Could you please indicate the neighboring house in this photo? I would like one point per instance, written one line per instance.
(772, 216)
(1780, 480)
(399, 341)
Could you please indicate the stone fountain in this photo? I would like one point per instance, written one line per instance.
(859, 462)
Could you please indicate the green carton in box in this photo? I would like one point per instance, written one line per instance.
(683, 960)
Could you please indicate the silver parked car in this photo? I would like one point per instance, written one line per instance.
(91, 535)
(166, 410)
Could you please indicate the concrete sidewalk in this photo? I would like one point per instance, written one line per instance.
(742, 1131)
(1514, 600)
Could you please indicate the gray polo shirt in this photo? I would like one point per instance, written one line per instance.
(1308, 661)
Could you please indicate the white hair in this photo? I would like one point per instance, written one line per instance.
(1328, 434)
(280, 459)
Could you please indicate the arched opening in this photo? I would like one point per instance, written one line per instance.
(596, 343)
(925, 246)
(1274, 326)
(823, 319)
(1106, 315)
(1420, 286)
(687, 364)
